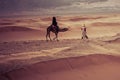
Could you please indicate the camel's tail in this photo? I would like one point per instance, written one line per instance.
(63, 29)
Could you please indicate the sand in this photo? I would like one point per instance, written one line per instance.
(25, 54)
(67, 60)
(91, 67)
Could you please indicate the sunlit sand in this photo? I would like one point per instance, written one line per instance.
(26, 55)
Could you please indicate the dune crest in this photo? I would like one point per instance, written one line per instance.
(90, 67)
(14, 28)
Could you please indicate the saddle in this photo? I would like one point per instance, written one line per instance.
(54, 27)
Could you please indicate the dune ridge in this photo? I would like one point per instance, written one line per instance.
(105, 24)
(56, 68)
(15, 28)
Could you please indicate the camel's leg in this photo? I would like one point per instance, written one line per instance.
(54, 37)
(49, 36)
(56, 34)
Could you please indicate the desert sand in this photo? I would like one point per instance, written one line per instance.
(25, 54)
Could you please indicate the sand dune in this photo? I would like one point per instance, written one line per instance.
(86, 18)
(67, 60)
(6, 23)
(29, 52)
(91, 67)
(114, 41)
(25, 21)
(46, 19)
(25, 55)
(14, 28)
(18, 33)
(21, 36)
(105, 24)
(75, 18)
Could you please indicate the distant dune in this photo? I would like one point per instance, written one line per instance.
(46, 19)
(105, 24)
(26, 21)
(86, 18)
(8, 23)
(74, 18)
(14, 28)
(18, 33)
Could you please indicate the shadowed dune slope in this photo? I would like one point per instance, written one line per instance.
(117, 40)
(18, 33)
(90, 67)
(14, 28)
(114, 39)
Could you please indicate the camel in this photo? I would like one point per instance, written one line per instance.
(55, 31)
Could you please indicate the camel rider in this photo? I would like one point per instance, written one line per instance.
(54, 24)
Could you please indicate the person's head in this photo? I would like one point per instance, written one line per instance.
(54, 18)
(84, 25)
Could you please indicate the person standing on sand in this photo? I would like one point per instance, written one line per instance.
(54, 24)
(84, 32)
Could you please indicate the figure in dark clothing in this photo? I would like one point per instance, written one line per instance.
(55, 29)
(54, 24)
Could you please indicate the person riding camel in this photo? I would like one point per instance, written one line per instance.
(54, 24)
